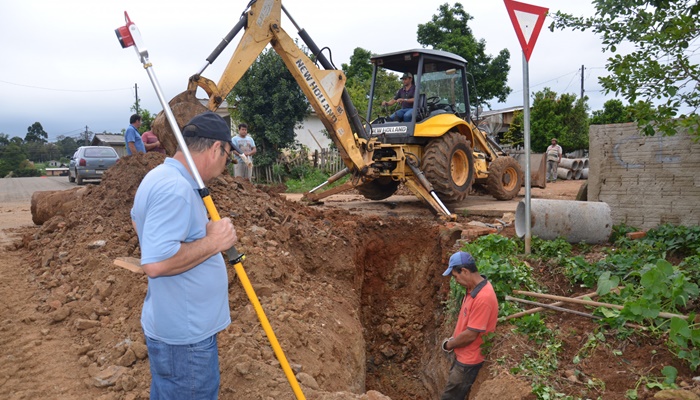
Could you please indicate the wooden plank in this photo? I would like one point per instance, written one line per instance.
(130, 263)
(538, 309)
(588, 303)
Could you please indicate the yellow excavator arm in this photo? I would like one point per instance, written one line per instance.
(324, 88)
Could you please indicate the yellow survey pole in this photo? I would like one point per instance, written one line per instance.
(128, 36)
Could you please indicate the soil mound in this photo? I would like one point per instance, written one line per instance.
(353, 301)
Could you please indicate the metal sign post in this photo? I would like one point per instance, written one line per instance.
(527, 21)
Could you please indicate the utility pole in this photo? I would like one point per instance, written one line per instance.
(582, 91)
(136, 91)
(87, 136)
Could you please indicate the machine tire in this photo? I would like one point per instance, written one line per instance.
(70, 178)
(505, 178)
(78, 178)
(378, 189)
(448, 164)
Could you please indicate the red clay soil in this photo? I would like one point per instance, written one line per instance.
(355, 302)
(329, 283)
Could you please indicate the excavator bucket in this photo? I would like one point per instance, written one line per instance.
(184, 106)
(538, 168)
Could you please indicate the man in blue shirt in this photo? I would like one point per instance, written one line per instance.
(187, 300)
(132, 137)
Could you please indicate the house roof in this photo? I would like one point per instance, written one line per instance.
(501, 111)
(111, 139)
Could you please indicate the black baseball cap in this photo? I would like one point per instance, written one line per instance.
(209, 125)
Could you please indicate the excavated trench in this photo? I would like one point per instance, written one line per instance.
(401, 310)
(355, 301)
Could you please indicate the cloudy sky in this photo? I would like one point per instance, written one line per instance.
(62, 65)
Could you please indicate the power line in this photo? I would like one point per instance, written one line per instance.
(63, 90)
(551, 80)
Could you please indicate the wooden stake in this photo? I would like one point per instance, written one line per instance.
(553, 307)
(588, 302)
(538, 309)
(566, 310)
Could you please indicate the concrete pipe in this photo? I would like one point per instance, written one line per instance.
(564, 173)
(585, 163)
(575, 221)
(584, 173)
(577, 174)
(569, 163)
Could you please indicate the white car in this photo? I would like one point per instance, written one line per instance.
(90, 162)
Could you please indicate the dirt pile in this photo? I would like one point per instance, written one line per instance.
(354, 301)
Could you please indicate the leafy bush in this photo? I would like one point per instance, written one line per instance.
(534, 327)
(558, 248)
(620, 231)
(26, 172)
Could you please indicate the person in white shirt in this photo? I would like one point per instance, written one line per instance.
(554, 153)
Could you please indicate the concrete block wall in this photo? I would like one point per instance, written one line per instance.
(646, 181)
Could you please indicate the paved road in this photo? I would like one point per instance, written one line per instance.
(16, 190)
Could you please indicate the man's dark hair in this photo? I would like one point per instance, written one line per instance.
(134, 118)
(197, 144)
(468, 267)
(242, 125)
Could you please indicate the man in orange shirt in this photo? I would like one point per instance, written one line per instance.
(477, 317)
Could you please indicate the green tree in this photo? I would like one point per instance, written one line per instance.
(449, 31)
(12, 157)
(660, 69)
(66, 146)
(4, 139)
(613, 112)
(146, 117)
(270, 101)
(359, 83)
(36, 133)
(562, 116)
(35, 151)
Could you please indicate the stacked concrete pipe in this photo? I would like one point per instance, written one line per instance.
(564, 173)
(574, 166)
(575, 221)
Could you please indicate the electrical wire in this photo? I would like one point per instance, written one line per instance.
(63, 90)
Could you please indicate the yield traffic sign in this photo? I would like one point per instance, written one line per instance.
(527, 20)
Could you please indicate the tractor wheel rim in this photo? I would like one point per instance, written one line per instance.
(459, 168)
(510, 178)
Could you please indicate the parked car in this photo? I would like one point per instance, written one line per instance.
(90, 162)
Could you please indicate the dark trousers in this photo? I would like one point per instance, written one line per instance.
(460, 381)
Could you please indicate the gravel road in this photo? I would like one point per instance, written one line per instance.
(17, 190)
(16, 197)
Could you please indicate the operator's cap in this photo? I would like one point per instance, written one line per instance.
(407, 75)
(460, 259)
(555, 139)
(209, 125)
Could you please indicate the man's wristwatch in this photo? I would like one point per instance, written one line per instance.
(444, 345)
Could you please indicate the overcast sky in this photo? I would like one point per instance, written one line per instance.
(62, 65)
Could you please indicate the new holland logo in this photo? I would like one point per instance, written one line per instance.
(389, 129)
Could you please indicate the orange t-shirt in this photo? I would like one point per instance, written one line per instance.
(479, 313)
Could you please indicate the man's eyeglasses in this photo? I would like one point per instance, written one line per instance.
(228, 155)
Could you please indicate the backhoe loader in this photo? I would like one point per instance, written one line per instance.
(438, 155)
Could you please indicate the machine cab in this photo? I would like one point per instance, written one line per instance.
(441, 88)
